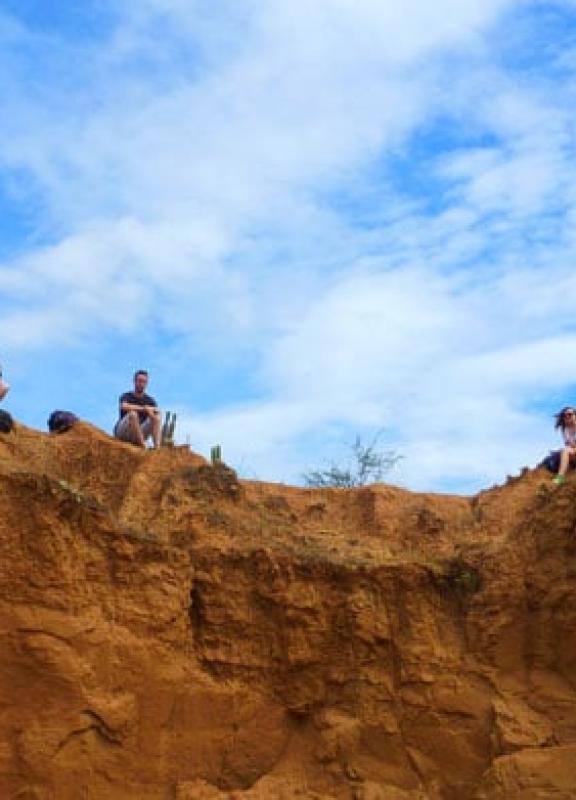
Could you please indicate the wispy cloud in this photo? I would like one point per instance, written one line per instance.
(372, 207)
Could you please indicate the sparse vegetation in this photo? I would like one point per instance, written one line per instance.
(459, 578)
(366, 464)
(168, 428)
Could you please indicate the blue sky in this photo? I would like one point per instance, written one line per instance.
(307, 221)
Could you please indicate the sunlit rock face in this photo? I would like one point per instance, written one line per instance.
(170, 631)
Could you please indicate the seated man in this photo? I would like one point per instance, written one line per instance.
(140, 416)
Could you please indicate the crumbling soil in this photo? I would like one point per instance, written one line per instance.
(171, 632)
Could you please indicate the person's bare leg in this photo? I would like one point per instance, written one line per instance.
(563, 468)
(135, 430)
(156, 420)
(564, 461)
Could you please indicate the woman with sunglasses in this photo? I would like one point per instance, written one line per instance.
(566, 421)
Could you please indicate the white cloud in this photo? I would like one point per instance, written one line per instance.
(168, 181)
(315, 90)
(191, 174)
(447, 380)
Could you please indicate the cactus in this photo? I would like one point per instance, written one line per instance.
(216, 454)
(168, 429)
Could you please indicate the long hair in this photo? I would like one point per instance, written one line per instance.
(561, 417)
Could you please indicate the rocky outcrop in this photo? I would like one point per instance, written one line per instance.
(169, 631)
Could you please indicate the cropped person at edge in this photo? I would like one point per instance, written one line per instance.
(4, 387)
(566, 421)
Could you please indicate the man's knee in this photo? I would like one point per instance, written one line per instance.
(125, 428)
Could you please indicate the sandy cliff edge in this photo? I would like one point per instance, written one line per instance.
(169, 631)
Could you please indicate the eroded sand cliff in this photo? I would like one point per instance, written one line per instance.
(171, 632)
